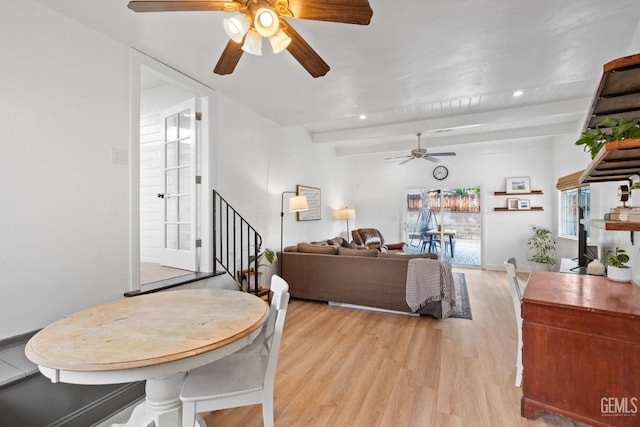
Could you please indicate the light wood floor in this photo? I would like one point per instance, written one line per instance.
(346, 367)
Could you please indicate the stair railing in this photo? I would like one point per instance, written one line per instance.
(236, 244)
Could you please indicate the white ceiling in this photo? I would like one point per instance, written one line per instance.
(444, 68)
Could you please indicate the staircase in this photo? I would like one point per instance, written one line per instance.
(236, 245)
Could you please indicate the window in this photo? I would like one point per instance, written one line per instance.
(570, 200)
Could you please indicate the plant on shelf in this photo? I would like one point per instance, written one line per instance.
(618, 258)
(266, 258)
(618, 269)
(608, 130)
(542, 246)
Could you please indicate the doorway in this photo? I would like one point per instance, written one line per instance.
(447, 222)
(170, 158)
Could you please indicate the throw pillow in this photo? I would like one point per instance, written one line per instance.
(317, 249)
(358, 252)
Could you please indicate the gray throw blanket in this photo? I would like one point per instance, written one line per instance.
(430, 280)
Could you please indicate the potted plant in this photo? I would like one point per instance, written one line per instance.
(608, 130)
(266, 257)
(618, 269)
(542, 248)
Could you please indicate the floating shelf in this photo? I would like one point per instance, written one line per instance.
(533, 208)
(617, 161)
(504, 193)
(613, 225)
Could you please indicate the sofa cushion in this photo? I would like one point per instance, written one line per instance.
(358, 252)
(405, 255)
(317, 249)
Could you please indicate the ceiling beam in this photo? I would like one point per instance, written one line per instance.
(540, 112)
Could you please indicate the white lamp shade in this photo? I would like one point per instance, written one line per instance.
(266, 22)
(279, 41)
(237, 26)
(298, 204)
(346, 214)
(252, 43)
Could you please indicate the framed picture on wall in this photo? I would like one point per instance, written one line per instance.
(313, 200)
(524, 204)
(512, 204)
(521, 184)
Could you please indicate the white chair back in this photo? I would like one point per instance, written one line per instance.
(242, 378)
(275, 326)
(516, 296)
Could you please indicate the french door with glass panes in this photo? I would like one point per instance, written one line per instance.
(178, 160)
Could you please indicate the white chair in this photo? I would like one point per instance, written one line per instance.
(517, 289)
(240, 379)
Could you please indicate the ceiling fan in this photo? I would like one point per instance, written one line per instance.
(421, 153)
(255, 19)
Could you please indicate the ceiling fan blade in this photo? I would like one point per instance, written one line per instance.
(405, 161)
(229, 58)
(431, 158)
(184, 5)
(344, 11)
(304, 54)
(448, 153)
(398, 157)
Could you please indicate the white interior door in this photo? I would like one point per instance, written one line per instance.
(179, 148)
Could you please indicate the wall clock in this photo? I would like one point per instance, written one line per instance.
(440, 172)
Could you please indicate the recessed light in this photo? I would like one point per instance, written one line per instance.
(518, 93)
(363, 116)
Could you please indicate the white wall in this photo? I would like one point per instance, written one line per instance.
(64, 104)
(256, 160)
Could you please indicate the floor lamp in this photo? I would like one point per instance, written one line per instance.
(296, 204)
(347, 214)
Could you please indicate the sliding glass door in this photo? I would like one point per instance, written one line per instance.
(445, 221)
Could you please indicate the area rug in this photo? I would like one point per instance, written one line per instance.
(462, 310)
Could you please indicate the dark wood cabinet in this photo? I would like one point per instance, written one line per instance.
(581, 348)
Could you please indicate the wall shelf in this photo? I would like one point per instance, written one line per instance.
(617, 97)
(613, 225)
(517, 196)
(533, 208)
(504, 193)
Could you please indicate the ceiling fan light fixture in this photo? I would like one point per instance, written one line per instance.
(252, 43)
(266, 22)
(279, 41)
(237, 26)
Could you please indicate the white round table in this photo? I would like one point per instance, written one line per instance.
(155, 337)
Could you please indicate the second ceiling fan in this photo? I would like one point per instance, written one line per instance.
(255, 19)
(421, 153)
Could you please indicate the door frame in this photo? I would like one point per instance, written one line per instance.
(206, 97)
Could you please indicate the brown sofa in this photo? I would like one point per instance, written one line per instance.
(339, 274)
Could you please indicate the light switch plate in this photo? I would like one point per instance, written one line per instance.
(119, 156)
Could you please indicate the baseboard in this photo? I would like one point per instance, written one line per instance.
(364, 307)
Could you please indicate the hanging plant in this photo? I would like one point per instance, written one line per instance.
(606, 131)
